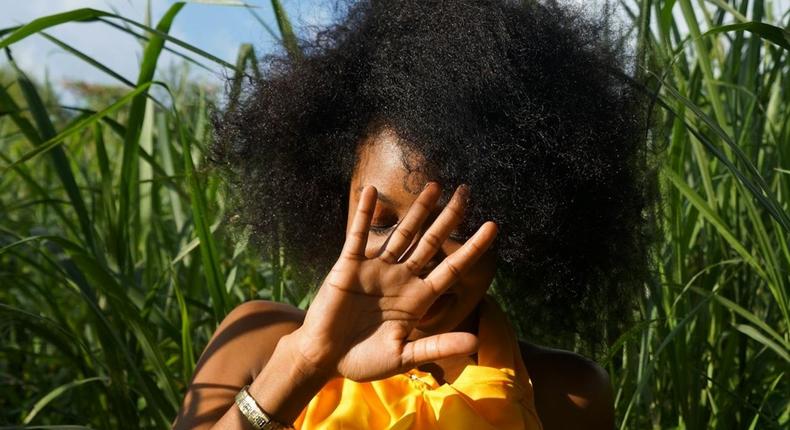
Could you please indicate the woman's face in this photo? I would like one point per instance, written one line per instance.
(380, 164)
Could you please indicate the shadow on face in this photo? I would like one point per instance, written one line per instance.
(381, 162)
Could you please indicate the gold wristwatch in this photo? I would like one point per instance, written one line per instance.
(254, 414)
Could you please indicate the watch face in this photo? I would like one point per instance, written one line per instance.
(250, 409)
(254, 414)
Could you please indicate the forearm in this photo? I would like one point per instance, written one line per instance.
(282, 389)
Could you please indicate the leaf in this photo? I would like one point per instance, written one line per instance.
(208, 249)
(78, 126)
(736, 308)
(35, 26)
(759, 337)
(88, 14)
(778, 36)
(127, 215)
(54, 394)
(708, 213)
(86, 58)
(46, 130)
(288, 36)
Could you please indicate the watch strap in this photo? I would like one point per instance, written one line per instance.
(253, 412)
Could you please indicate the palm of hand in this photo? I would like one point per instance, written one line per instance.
(358, 323)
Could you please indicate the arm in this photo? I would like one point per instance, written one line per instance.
(570, 391)
(283, 388)
(336, 339)
(239, 350)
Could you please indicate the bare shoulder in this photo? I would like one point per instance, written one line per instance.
(246, 338)
(236, 353)
(571, 391)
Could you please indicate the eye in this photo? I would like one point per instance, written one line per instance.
(381, 229)
(384, 220)
(458, 237)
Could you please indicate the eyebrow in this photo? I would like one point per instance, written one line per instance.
(383, 197)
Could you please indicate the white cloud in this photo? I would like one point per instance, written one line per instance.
(115, 49)
(121, 52)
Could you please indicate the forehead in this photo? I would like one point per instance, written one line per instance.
(381, 162)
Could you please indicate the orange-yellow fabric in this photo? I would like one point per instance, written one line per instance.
(496, 393)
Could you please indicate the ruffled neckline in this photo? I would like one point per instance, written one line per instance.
(495, 393)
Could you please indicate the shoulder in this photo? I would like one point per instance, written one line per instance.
(571, 391)
(237, 352)
(249, 333)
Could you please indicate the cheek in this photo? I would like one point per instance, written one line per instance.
(374, 245)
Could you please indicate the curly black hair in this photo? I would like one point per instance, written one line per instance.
(523, 101)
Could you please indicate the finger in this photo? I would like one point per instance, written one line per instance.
(418, 212)
(439, 231)
(459, 261)
(437, 347)
(357, 236)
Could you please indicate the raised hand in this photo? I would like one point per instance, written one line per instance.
(358, 324)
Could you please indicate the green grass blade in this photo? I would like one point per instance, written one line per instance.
(127, 215)
(163, 402)
(57, 392)
(39, 190)
(77, 127)
(246, 57)
(760, 190)
(263, 24)
(779, 36)
(708, 213)
(144, 39)
(187, 349)
(169, 38)
(87, 15)
(46, 329)
(208, 250)
(39, 24)
(168, 166)
(86, 58)
(745, 314)
(286, 31)
(58, 156)
(704, 61)
(759, 337)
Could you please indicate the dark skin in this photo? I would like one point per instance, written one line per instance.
(570, 391)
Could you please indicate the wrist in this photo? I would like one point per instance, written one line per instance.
(313, 358)
(287, 383)
(310, 363)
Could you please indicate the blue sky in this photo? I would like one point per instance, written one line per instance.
(218, 29)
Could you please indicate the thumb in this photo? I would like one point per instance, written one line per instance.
(437, 347)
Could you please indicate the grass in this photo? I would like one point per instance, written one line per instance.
(116, 267)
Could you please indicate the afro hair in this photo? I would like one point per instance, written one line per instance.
(526, 102)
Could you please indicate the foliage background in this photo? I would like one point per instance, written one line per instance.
(115, 266)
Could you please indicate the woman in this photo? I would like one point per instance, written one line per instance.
(414, 153)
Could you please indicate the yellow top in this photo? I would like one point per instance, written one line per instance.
(496, 393)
